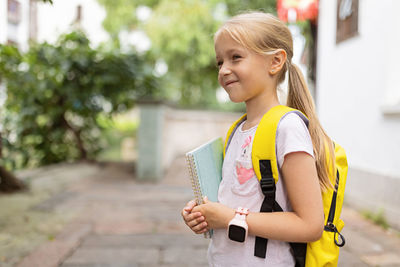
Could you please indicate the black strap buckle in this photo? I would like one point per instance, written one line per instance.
(268, 186)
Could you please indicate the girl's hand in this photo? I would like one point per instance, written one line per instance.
(194, 220)
(216, 214)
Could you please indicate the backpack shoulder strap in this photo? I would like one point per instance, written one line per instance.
(266, 166)
(265, 139)
(231, 131)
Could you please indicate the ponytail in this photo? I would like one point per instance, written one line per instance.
(299, 97)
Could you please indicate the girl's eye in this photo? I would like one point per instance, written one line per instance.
(236, 57)
(219, 64)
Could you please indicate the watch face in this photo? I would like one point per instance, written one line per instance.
(237, 233)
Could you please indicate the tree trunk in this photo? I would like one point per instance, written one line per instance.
(8, 182)
(77, 134)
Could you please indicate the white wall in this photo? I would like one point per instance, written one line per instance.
(185, 130)
(57, 19)
(3, 21)
(356, 79)
(23, 27)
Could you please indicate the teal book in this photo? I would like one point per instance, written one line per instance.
(205, 171)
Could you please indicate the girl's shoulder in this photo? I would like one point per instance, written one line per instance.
(292, 122)
(292, 136)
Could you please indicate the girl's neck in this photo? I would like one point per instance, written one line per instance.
(257, 107)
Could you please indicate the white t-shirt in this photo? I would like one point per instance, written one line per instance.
(240, 188)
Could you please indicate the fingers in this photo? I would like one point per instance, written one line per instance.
(195, 221)
(188, 209)
(189, 206)
(192, 219)
(200, 228)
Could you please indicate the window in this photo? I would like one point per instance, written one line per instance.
(347, 20)
(14, 11)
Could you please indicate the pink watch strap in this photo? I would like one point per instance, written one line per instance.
(242, 211)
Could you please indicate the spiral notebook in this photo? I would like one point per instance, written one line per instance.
(205, 170)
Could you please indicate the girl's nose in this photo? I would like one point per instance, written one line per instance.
(225, 70)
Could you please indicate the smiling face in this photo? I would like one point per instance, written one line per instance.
(244, 74)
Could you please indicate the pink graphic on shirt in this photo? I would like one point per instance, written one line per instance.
(244, 169)
(243, 174)
(247, 142)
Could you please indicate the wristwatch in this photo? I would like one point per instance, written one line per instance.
(237, 228)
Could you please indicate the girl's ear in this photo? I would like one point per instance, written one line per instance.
(278, 59)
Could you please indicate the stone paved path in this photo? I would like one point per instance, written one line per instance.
(125, 223)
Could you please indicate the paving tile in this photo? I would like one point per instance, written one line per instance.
(123, 227)
(56, 200)
(358, 242)
(145, 241)
(100, 265)
(382, 259)
(113, 256)
(348, 259)
(182, 256)
(52, 253)
(186, 264)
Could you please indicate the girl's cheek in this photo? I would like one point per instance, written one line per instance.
(219, 80)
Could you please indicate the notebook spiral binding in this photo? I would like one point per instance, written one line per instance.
(195, 184)
(194, 179)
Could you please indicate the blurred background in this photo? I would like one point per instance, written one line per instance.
(134, 82)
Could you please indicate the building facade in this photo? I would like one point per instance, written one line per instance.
(17, 22)
(60, 17)
(358, 97)
(25, 20)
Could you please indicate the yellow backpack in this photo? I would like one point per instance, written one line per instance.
(325, 251)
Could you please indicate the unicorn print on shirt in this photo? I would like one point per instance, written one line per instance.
(244, 167)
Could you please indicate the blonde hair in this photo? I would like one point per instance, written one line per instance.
(263, 33)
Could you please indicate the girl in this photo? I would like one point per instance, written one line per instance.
(253, 53)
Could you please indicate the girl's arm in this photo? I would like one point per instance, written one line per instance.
(304, 224)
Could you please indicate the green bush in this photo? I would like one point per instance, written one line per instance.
(57, 93)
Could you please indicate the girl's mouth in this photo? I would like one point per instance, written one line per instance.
(230, 82)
